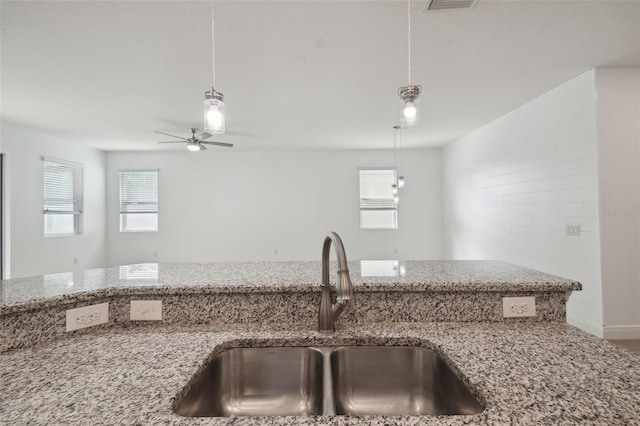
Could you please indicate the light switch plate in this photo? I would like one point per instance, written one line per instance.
(146, 310)
(87, 316)
(573, 230)
(518, 307)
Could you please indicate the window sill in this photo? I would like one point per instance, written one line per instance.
(61, 235)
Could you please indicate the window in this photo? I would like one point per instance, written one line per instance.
(377, 209)
(62, 198)
(138, 200)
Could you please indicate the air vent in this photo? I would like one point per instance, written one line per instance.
(435, 5)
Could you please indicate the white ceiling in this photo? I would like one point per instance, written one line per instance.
(295, 74)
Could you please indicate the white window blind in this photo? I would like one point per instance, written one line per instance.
(377, 209)
(138, 200)
(63, 198)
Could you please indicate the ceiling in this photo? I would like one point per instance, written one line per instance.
(295, 74)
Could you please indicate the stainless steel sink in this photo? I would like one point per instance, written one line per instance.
(258, 382)
(297, 381)
(397, 381)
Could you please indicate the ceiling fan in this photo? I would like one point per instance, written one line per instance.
(196, 142)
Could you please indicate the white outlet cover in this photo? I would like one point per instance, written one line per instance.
(87, 316)
(518, 307)
(146, 310)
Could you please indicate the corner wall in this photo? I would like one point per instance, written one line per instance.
(232, 205)
(618, 129)
(512, 186)
(29, 253)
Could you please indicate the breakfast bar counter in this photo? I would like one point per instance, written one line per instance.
(33, 310)
(290, 276)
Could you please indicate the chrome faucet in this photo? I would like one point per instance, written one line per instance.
(329, 312)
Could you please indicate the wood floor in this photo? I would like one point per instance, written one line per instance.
(632, 345)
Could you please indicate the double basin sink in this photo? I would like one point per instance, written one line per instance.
(326, 381)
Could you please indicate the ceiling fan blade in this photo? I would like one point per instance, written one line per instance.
(202, 147)
(203, 136)
(171, 142)
(173, 136)
(228, 145)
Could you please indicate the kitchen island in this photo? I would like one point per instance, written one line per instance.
(524, 374)
(535, 370)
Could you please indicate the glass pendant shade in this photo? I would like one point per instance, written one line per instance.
(214, 112)
(193, 147)
(409, 111)
(401, 182)
(410, 115)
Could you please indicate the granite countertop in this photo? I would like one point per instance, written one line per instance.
(526, 374)
(291, 276)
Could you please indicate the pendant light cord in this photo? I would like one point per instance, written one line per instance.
(409, 41)
(400, 149)
(213, 48)
(395, 132)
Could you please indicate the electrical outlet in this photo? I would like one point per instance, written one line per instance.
(146, 310)
(518, 307)
(87, 316)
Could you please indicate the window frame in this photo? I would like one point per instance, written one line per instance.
(122, 215)
(76, 201)
(387, 204)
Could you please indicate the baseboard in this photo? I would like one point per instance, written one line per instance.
(609, 332)
(585, 325)
(621, 332)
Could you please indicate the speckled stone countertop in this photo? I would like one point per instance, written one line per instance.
(525, 374)
(177, 278)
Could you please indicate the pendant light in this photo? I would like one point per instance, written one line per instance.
(213, 100)
(409, 94)
(399, 184)
(399, 139)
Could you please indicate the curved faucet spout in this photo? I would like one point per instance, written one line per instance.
(329, 312)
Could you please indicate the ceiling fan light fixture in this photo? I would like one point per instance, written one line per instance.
(197, 141)
(214, 122)
(193, 146)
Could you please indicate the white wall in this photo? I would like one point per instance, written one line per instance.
(512, 186)
(618, 129)
(29, 253)
(231, 205)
